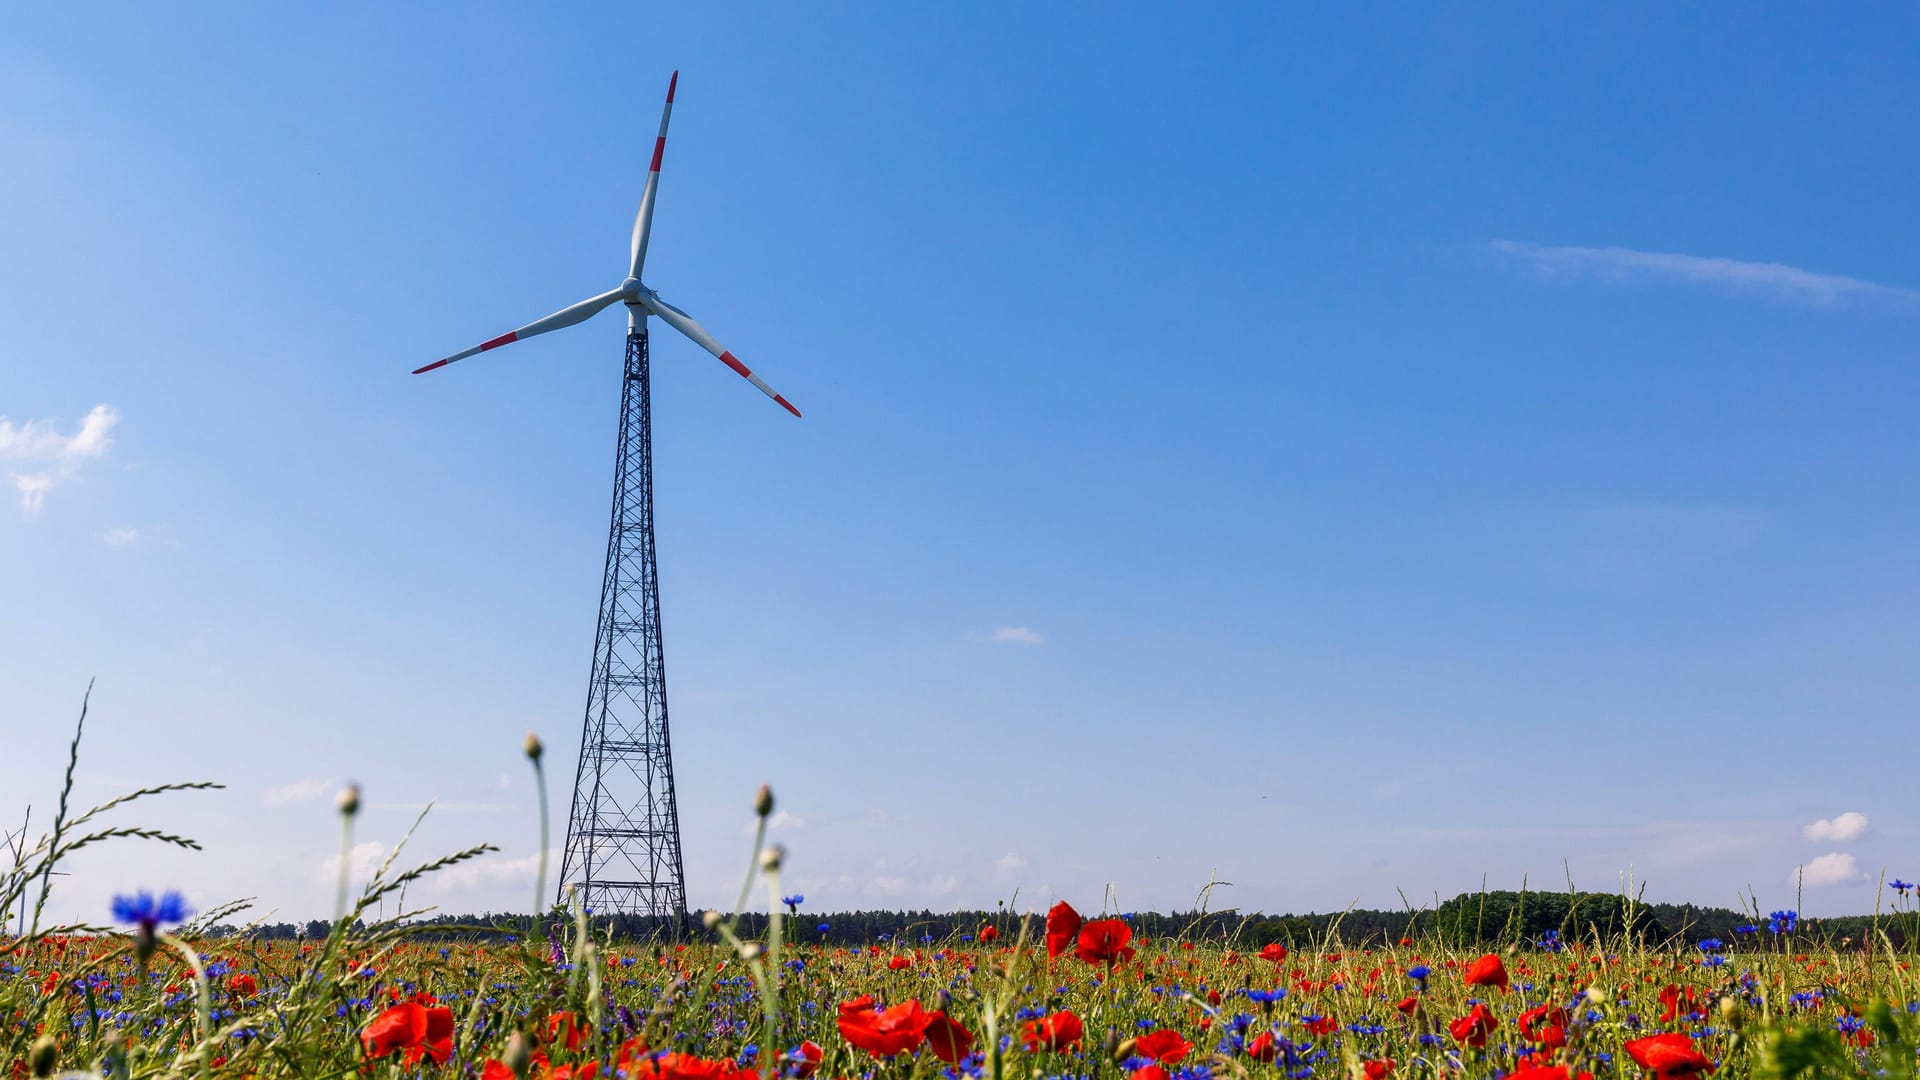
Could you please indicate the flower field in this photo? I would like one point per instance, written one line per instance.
(1059, 995)
(1086, 997)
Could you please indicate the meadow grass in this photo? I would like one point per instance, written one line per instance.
(389, 996)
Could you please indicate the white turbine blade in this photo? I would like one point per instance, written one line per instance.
(684, 323)
(566, 316)
(643, 221)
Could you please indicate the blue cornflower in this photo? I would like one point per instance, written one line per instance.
(1783, 922)
(793, 903)
(1712, 944)
(1749, 928)
(143, 911)
(1900, 887)
(822, 928)
(1550, 941)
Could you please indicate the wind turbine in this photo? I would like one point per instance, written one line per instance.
(623, 834)
(641, 301)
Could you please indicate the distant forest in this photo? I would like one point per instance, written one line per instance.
(1470, 919)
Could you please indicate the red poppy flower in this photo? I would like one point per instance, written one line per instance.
(1547, 1072)
(949, 1041)
(806, 1061)
(988, 933)
(898, 962)
(1104, 941)
(1063, 926)
(1163, 1045)
(1263, 1047)
(395, 1029)
(1474, 1027)
(1673, 997)
(1487, 971)
(1669, 1055)
(563, 1029)
(1275, 952)
(1408, 1004)
(882, 1034)
(1061, 1031)
(1379, 1068)
(418, 1030)
(1148, 1072)
(1320, 1025)
(242, 984)
(1546, 1025)
(670, 1066)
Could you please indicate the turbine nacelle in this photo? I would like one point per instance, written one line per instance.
(631, 290)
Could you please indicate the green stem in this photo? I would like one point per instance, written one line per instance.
(203, 996)
(540, 878)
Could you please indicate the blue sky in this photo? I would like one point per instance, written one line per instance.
(1339, 452)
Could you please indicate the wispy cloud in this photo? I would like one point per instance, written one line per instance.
(1845, 826)
(1018, 635)
(121, 537)
(50, 456)
(1833, 868)
(495, 872)
(362, 860)
(779, 822)
(298, 791)
(1776, 280)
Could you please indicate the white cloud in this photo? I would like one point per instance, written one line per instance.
(53, 456)
(1833, 868)
(1009, 862)
(362, 860)
(1018, 635)
(490, 871)
(780, 820)
(1776, 280)
(120, 537)
(298, 791)
(1847, 826)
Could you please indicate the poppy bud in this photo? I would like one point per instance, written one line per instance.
(763, 801)
(771, 857)
(532, 747)
(519, 1054)
(44, 1055)
(710, 918)
(1731, 1012)
(944, 1000)
(1120, 1050)
(348, 800)
(750, 951)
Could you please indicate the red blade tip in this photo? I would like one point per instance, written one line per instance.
(675, 81)
(430, 367)
(787, 405)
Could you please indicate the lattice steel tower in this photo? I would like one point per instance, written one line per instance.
(623, 835)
